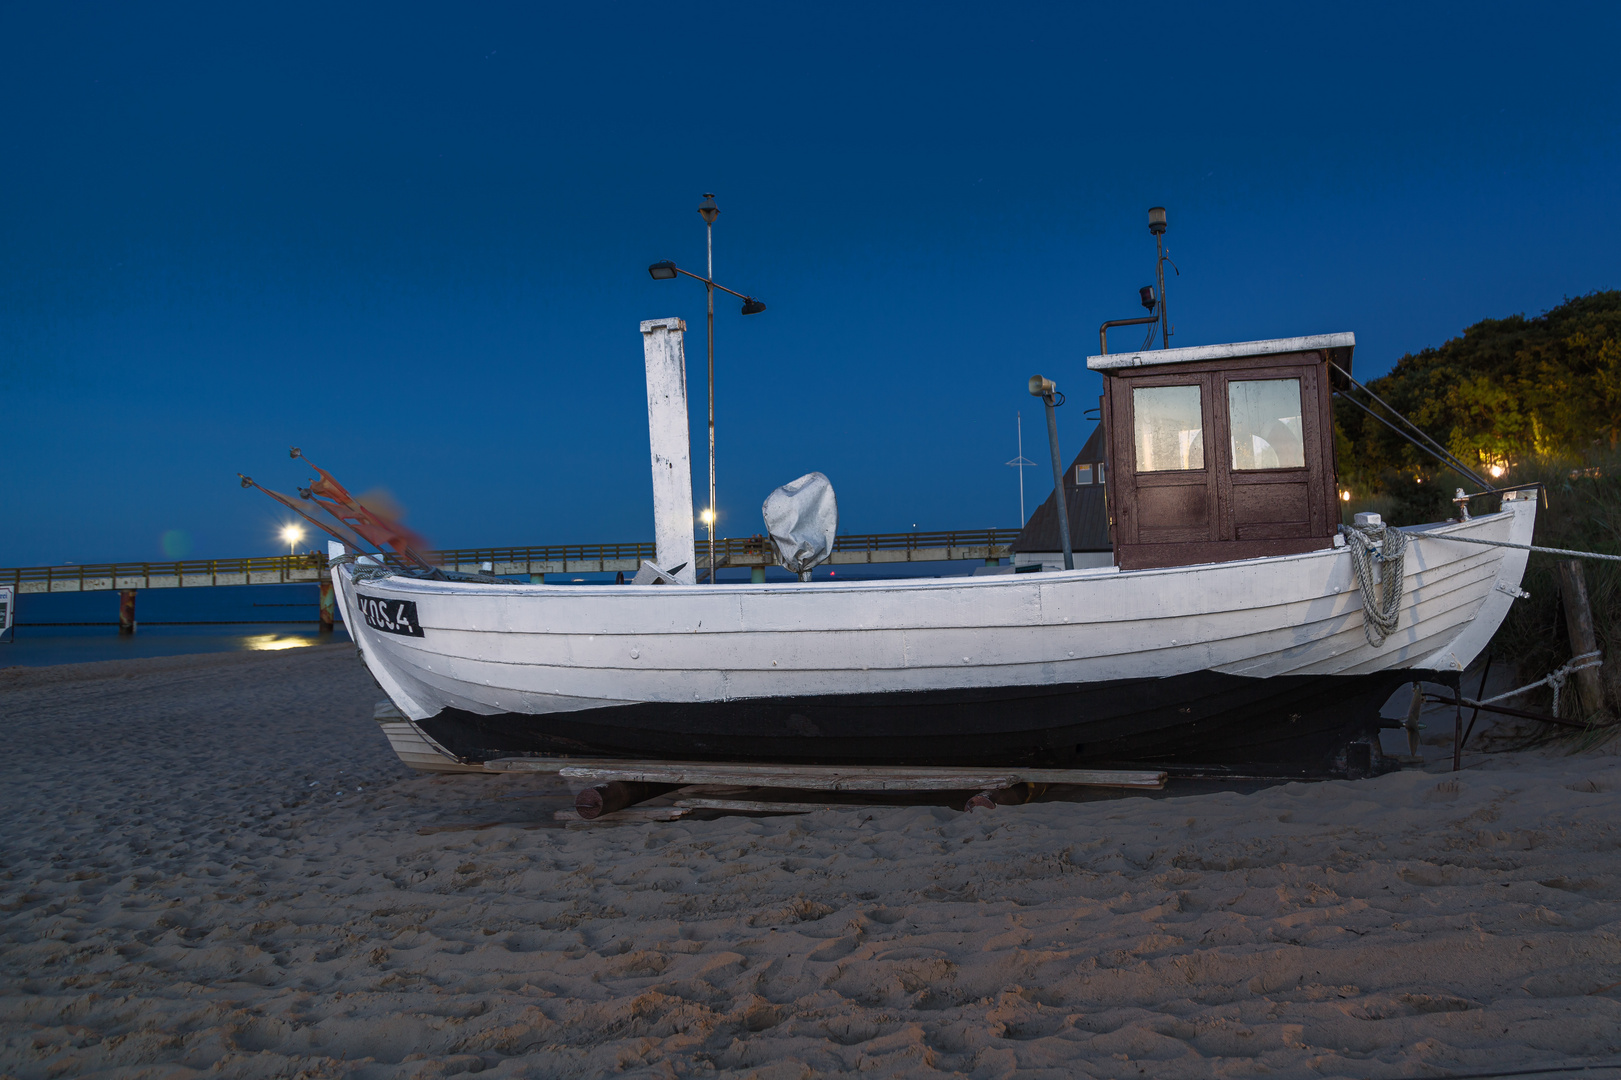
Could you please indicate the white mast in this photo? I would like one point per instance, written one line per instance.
(1020, 463)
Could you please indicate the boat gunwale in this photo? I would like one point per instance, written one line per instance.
(394, 580)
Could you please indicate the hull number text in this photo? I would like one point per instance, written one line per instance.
(390, 616)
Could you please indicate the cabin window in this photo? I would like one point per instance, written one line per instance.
(1265, 423)
(1168, 423)
(1083, 474)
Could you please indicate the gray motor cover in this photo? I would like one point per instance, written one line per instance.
(802, 518)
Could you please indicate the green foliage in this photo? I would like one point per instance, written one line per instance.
(1541, 396)
(1415, 500)
(1510, 390)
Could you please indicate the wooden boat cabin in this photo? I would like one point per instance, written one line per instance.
(1221, 452)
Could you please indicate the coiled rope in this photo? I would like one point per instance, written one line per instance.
(1381, 600)
(1387, 546)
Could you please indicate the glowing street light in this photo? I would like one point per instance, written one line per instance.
(707, 516)
(292, 534)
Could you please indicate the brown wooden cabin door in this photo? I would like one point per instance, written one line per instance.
(1167, 475)
(1274, 463)
(1228, 461)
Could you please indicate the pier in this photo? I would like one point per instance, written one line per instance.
(755, 552)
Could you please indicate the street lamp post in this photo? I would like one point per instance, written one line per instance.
(668, 271)
(292, 534)
(1044, 389)
(709, 212)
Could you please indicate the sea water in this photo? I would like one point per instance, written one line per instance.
(74, 628)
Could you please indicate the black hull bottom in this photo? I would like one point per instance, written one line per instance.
(1293, 725)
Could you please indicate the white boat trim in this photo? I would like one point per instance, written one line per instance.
(1233, 350)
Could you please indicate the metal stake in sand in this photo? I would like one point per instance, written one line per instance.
(329, 607)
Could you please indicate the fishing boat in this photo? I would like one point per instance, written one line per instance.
(1231, 631)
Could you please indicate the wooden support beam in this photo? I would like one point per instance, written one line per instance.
(769, 806)
(126, 611)
(828, 777)
(1583, 639)
(594, 802)
(633, 813)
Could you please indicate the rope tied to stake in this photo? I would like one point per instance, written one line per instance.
(1555, 679)
(1381, 600)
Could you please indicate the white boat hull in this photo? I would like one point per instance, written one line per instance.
(1081, 665)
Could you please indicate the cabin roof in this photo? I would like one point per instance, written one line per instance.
(1339, 347)
(1088, 510)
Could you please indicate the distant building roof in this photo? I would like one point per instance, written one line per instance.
(1088, 509)
(1338, 344)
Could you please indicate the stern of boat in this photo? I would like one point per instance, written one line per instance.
(1459, 653)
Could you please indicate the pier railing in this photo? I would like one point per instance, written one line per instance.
(750, 551)
(264, 570)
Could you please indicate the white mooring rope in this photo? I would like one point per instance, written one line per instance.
(1381, 601)
(1506, 544)
(1555, 679)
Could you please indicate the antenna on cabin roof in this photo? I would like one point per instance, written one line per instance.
(1150, 298)
(1156, 225)
(1021, 463)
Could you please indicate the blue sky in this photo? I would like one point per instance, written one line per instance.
(413, 240)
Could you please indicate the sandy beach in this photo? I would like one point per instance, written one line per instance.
(215, 866)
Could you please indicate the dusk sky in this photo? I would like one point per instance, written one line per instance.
(413, 241)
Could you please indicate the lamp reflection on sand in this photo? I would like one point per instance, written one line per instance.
(275, 642)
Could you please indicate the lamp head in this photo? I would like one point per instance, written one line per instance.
(1156, 219)
(751, 306)
(662, 271)
(1041, 386)
(1147, 294)
(707, 209)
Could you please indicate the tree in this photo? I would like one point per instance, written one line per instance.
(1506, 391)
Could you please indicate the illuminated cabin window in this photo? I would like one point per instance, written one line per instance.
(1083, 474)
(1265, 423)
(1168, 424)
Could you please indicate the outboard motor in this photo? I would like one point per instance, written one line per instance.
(803, 518)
